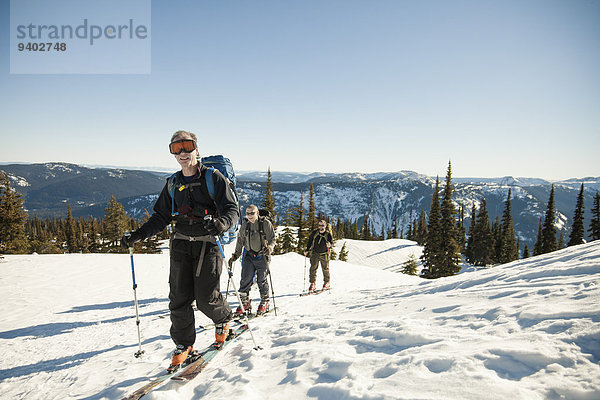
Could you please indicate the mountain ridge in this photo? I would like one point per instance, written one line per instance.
(47, 187)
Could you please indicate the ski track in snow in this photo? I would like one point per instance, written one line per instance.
(525, 330)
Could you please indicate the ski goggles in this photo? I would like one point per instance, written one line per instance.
(178, 146)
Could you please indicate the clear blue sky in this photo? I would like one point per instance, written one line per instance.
(498, 87)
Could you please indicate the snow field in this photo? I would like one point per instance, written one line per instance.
(524, 330)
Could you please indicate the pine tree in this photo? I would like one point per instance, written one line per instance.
(343, 253)
(497, 233)
(365, 231)
(537, 247)
(578, 229)
(268, 201)
(410, 266)
(469, 245)
(12, 219)
(595, 222)
(116, 223)
(286, 242)
(450, 249)
(422, 228)
(549, 243)
(300, 223)
(149, 245)
(311, 222)
(561, 242)
(394, 231)
(409, 229)
(432, 251)
(482, 252)
(508, 245)
(70, 231)
(461, 231)
(525, 251)
(93, 237)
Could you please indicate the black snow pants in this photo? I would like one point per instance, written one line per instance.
(193, 279)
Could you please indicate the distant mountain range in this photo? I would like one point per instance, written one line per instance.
(384, 196)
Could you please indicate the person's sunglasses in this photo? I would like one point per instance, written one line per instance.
(251, 213)
(178, 146)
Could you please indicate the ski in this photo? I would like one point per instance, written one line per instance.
(207, 355)
(190, 369)
(240, 318)
(319, 291)
(237, 319)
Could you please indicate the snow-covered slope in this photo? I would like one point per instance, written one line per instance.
(525, 330)
(388, 254)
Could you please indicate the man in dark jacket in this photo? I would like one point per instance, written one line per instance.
(196, 262)
(318, 245)
(255, 243)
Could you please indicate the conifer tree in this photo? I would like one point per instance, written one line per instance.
(469, 245)
(525, 251)
(116, 223)
(343, 253)
(394, 231)
(311, 222)
(355, 231)
(482, 252)
(268, 201)
(148, 245)
(578, 229)
(12, 219)
(409, 230)
(450, 249)
(537, 247)
(422, 227)
(497, 233)
(300, 223)
(339, 228)
(365, 232)
(70, 231)
(82, 239)
(460, 229)
(594, 229)
(549, 243)
(431, 257)
(561, 242)
(93, 237)
(410, 266)
(287, 242)
(508, 245)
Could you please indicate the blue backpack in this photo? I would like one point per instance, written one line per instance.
(223, 164)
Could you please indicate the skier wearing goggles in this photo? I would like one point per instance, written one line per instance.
(196, 263)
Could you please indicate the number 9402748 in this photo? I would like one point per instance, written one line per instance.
(49, 46)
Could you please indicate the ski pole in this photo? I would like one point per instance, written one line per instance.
(304, 285)
(230, 269)
(137, 314)
(272, 292)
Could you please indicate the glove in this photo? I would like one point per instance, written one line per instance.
(231, 261)
(214, 226)
(129, 239)
(266, 251)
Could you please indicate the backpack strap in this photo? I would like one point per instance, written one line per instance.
(171, 188)
(208, 176)
(261, 231)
